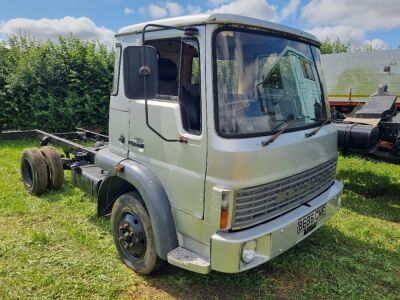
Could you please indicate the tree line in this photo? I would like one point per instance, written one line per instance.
(337, 45)
(54, 86)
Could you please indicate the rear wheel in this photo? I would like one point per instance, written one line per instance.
(133, 234)
(55, 167)
(34, 171)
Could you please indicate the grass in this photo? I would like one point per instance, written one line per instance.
(54, 246)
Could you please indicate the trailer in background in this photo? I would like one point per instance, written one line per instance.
(367, 119)
(352, 77)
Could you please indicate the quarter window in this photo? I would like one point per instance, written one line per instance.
(117, 64)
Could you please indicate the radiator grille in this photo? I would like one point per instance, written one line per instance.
(258, 204)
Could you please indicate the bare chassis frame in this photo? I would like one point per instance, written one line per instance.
(64, 140)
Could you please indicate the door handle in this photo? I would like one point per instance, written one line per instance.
(139, 143)
(122, 139)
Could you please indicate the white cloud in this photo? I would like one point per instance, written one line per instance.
(51, 29)
(375, 44)
(174, 9)
(260, 9)
(351, 19)
(344, 33)
(128, 11)
(156, 11)
(169, 9)
(290, 9)
(368, 14)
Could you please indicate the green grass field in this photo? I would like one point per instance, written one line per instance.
(54, 246)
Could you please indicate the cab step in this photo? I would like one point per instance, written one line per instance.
(189, 260)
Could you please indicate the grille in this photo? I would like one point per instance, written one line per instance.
(258, 204)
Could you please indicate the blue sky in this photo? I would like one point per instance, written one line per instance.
(361, 22)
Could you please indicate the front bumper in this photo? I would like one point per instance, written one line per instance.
(273, 237)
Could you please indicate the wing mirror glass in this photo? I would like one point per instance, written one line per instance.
(140, 72)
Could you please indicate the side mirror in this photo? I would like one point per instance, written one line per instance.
(140, 72)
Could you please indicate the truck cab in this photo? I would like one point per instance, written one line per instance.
(219, 128)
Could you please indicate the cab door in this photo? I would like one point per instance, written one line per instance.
(176, 150)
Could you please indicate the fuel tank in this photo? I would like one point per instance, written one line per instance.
(357, 137)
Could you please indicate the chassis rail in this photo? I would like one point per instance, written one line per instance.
(65, 140)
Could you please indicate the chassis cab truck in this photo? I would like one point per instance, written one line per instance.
(221, 155)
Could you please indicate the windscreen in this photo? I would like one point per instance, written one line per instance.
(263, 81)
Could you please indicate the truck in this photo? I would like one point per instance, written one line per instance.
(352, 77)
(220, 154)
(363, 90)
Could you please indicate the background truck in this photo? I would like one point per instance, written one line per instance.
(367, 119)
(220, 153)
(352, 77)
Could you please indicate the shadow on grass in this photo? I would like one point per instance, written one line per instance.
(371, 194)
(327, 264)
(369, 184)
(66, 191)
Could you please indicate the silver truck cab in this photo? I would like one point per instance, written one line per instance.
(219, 122)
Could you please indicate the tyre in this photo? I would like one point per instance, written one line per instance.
(55, 167)
(34, 171)
(133, 234)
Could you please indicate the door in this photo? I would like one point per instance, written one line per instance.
(177, 112)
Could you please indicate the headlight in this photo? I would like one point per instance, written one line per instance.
(249, 251)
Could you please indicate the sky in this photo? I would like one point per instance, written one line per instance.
(360, 22)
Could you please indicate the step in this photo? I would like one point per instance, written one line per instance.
(189, 260)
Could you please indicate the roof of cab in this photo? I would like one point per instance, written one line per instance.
(217, 19)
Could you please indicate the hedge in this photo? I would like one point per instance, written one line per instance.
(54, 86)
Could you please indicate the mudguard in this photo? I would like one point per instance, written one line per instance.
(152, 192)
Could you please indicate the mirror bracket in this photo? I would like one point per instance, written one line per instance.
(144, 70)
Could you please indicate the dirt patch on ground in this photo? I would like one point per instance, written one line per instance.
(146, 291)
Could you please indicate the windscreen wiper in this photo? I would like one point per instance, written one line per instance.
(315, 131)
(289, 121)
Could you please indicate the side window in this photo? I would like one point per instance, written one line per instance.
(168, 51)
(190, 98)
(179, 78)
(117, 64)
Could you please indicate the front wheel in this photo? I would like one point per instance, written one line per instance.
(133, 234)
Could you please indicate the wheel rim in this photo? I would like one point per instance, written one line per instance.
(131, 235)
(27, 172)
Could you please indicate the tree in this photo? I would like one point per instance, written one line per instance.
(336, 46)
(372, 45)
(54, 86)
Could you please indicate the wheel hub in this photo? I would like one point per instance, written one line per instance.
(131, 235)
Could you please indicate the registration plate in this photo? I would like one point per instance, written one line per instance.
(309, 221)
